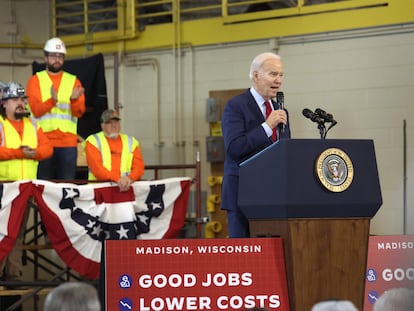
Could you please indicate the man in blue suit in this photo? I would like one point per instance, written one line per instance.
(248, 128)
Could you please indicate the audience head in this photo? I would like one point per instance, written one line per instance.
(73, 296)
(396, 299)
(334, 305)
(110, 123)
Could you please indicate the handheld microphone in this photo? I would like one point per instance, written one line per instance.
(280, 98)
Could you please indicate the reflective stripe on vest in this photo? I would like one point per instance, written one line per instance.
(60, 116)
(128, 145)
(18, 169)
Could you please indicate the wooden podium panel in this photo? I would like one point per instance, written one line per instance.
(325, 258)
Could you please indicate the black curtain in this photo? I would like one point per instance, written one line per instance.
(91, 72)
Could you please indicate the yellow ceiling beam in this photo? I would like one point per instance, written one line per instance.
(328, 17)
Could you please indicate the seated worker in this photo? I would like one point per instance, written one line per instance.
(22, 145)
(113, 156)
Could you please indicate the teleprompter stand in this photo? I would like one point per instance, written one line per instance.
(325, 233)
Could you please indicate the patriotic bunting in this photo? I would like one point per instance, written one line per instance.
(78, 218)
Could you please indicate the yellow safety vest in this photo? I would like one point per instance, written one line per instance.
(60, 116)
(129, 144)
(18, 169)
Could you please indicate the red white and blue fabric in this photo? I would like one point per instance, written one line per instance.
(13, 201)
(78, 218)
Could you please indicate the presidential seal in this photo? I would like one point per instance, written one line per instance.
(334, 170)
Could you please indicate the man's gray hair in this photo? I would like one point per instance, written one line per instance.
(334, 305)
(396, 299)
(73, 296)
(259, 60)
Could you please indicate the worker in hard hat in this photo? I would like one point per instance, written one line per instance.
(56, 98)
(22, 145)
(22, 141)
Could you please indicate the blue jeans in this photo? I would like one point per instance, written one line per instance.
(61, 166)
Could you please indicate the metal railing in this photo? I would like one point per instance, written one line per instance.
(127, 16)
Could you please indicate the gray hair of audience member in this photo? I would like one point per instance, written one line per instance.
(395, 299)
(73, 296)
(334, 305)
(259, 60)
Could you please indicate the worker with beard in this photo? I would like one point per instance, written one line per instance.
(22, 145)
(112, 155)
(56, 98)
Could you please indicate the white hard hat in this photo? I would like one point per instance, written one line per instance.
(55, 45)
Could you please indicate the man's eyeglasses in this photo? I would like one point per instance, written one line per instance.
(56, 56)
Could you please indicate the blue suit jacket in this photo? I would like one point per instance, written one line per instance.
(243, 137)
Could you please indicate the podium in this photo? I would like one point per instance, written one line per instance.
(324, 227)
